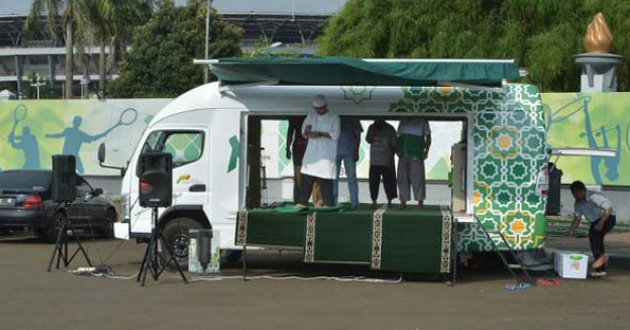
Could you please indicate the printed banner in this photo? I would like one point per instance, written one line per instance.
(590, 120)
(31, 132)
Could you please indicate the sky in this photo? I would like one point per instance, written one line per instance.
(21, 7)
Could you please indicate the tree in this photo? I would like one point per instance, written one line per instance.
(540, 35)
(76, 24)
(112, 22)
(160, 63)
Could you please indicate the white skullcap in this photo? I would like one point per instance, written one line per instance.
(319, 101)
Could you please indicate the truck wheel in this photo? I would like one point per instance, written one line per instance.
(176, 233)
(107, 231)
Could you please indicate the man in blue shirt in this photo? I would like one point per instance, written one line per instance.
(348, 152)
(598, 210)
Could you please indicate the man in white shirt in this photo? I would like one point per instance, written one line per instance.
(321, 128)
(414, 141)
(598, 210)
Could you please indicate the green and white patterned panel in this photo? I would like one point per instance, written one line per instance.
(185, 147)
(509, 152)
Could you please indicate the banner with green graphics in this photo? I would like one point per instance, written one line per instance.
(32, 131)
(590, 120)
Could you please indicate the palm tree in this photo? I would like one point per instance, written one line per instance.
(76, 23)
(112, 25)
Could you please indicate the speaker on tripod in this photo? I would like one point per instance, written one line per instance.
(64, 192)
(155, 170)
(64, 189)
(155, 174)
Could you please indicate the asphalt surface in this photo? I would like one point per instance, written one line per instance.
(31, 298)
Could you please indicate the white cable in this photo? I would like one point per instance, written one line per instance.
(300, 278)
(122, 277)
(106, 272)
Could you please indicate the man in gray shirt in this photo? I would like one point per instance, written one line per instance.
(382, 138)
(598, 210)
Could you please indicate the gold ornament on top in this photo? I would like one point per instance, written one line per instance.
(598, 38)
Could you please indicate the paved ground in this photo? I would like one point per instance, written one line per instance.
(30, 298)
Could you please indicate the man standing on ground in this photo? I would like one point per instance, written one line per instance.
(382, 139)
(414, 141)
(297, 142)
(598, 210)
(348, 152)
(321, 128)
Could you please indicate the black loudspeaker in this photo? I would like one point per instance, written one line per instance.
(64, 176)
(155, 171)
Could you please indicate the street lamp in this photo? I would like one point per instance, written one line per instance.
(85, 82)
(205, 67)
(273, 45)
(38, 83)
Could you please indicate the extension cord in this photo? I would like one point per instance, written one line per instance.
(86, 269)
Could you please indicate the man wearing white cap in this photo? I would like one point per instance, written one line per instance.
(321, 128)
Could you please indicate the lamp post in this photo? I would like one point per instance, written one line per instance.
(273, 45)
(205, 67)
(38, 83)
(85, 81)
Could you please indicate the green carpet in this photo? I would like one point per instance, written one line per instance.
(412, 240)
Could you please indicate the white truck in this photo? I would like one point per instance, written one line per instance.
(212, 133)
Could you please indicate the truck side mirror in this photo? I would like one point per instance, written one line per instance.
(97, 192)
(101, 160)
(101, 153)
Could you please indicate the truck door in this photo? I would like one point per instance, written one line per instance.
(190, 152)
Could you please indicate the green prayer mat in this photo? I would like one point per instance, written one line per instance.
(264, 228)
(291, 208)
(415, 241)
(345, 237)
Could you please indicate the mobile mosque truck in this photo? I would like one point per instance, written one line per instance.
(213, 133)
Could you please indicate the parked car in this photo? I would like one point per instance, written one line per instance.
(26, 202)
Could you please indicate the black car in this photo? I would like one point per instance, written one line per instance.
(26, 202)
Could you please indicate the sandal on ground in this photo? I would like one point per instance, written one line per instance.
(521, 286)
(549, 282)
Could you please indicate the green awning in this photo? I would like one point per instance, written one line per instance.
(342, 71)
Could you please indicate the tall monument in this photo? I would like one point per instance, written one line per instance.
(599, 67)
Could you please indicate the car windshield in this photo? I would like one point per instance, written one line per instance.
(38, 181)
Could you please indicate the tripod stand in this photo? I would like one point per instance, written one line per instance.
(151, 262)
(61, 245)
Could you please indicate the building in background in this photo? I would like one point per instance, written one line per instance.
(292, 24)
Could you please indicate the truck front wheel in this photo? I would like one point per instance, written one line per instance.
(176, 232)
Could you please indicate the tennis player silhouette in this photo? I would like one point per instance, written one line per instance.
(75, 138)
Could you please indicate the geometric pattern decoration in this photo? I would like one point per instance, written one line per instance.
(447, 222)
(241, 229)
(185, 147)
(377, 237)
(309, 242)
(509, 152)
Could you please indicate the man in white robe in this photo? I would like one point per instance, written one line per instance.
(321, 128)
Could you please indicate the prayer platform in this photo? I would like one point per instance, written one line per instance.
(408, 241)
